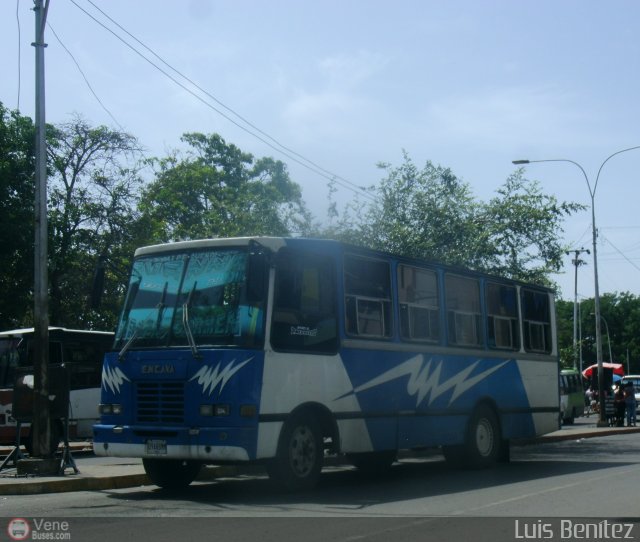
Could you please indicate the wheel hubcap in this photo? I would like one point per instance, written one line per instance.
(484, 437)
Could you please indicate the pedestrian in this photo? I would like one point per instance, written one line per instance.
(588, 398)
(619, 401)
(630, 403)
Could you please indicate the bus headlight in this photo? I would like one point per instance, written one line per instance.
(214, 410)
(110, 408)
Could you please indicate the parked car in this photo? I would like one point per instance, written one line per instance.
(636, 384)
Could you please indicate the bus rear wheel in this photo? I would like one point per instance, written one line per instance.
(483, 445)
(300, 455)
(483, 442)
(171, 473)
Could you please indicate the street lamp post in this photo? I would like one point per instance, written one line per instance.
(608, 337)
(577, 262)
(602, 422)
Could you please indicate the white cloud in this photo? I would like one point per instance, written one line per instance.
(498, 116)
(339, 101)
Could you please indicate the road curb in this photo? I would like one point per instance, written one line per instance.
(37, 487)
(79, 482)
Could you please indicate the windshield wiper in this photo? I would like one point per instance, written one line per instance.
(187, 327)
(161, 306)
(127, 345)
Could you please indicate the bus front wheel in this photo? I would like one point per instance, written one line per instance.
(171, 473)
(300, 455)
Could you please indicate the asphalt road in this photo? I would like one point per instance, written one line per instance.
(422, 499)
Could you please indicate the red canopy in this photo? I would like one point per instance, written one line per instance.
(618, 369)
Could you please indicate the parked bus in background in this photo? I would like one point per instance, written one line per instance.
(572, 399)
(81, 352)
(283, 350)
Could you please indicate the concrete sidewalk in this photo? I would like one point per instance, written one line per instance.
(125, 472)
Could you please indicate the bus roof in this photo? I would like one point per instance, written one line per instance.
(331, 245)
(28, 330)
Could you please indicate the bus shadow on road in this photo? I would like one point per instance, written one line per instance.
(343, 488)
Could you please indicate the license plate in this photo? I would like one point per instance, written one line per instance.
(156, 447)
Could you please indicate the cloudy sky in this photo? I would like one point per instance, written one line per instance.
(467, 84)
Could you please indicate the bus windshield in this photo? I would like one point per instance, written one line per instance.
(193, 298)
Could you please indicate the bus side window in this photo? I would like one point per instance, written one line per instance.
(463, 310)
(502, 316)
(304, 312)
(418, 300)
(536, 316)
(367, 284)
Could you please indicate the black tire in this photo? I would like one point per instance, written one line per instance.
(483, 441)
(171, 473)
(300, 455)
(374, 463)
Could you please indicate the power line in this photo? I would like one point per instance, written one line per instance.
(276, 146)
(19, 52)
(621, 253)
(85, 78)
(232, 111)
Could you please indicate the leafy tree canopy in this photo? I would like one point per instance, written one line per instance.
(17, 173)
(215, 189)
(430, 213)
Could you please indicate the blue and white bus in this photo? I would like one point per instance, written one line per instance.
(282, 351)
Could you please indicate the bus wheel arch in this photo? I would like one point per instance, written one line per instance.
(484, 444)
(301, 444)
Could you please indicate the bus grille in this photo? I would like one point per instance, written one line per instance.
(160, 402)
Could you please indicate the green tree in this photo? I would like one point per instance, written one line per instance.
(217, 190)
(17, 170)
(93, 191)
(524, 227)
(621, 312)
(430, 213)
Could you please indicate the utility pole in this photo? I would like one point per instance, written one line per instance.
(577, 262)
(41, 427)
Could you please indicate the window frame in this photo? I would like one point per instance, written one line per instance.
(504, 315)
(352, 300)
(433, 311)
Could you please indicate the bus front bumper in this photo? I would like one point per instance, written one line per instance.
(214, 445)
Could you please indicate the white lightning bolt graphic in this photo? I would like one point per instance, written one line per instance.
(113, 378)
(424, 381)
(208, 377)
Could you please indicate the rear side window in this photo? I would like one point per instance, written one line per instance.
(536, 321)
